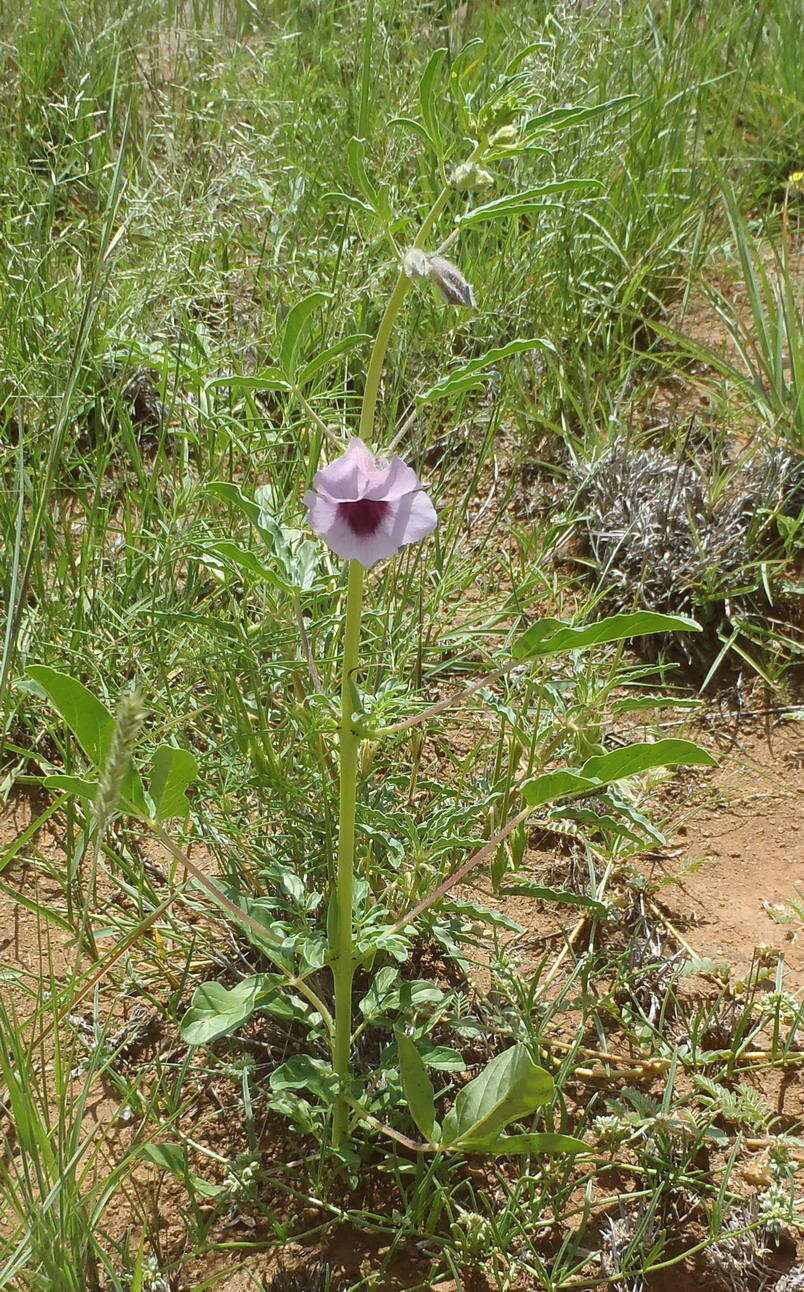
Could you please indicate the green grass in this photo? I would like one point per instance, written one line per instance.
(172, 182)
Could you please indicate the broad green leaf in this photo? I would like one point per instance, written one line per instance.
(216, 1010)
(302, 1072)
(75, 785)
(90, 722)
(532, 1143)
(510, 1087)
(321, 360)
(295, 324)
(564, 896)
(172, 770)
(517, 203)
(641, 757)
(562, 118)
(555, 785)
(471, 374)
(173, 1158)
(417, 1086)
(605, 768)
(549, 636)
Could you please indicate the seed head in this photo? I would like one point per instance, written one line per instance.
(128, 721)
(450, 282)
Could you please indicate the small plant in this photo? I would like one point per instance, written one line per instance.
(367, 509)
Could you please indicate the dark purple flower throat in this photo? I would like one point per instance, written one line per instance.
(363, 517)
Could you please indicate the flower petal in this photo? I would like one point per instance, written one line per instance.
(347, 478)
(405, 521)
(393, 481)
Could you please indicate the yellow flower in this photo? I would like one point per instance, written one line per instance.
(795, 180)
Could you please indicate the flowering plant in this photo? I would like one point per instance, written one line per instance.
(366, 510)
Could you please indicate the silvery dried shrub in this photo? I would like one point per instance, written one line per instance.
(738, 1261)
(622, 1239)
(656, 533)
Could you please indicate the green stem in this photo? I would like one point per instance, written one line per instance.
(401, 288)
(341, 951)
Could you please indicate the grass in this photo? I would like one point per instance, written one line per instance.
(171, 184)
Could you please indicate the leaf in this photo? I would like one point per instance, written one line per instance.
(90, 722)
(564, 896)
(471, 374)
(216, 1010)
(302, 1072)
(562, 118)
(430, 115)
(236, 498)
(532, 1143)
(377, 198)
(268, 379)
(641, 757)
(321, 360)
(521, 203)
(75, 785)
(173, 1158)
(417, 1086)
(510, 1087)
(555, 785)
(295, 324)
(247, 561)
(549, 636)
(172, 770)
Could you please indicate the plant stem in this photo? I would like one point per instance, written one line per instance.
(401, 288)
(342, 957)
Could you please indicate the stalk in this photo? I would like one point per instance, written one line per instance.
(342, 953)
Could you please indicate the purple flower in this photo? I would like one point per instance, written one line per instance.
(366, 510)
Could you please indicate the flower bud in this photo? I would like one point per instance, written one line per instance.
(416, 263)
(468, 177)
(450, 282)
(504, 137)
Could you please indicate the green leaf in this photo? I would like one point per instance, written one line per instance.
(549, 636)
(75, 785)
(173, 1158)
(216, 1010)
(555, 785)
(321, 360)
(297, 320)
(231, 494)
(268, 379)
(521, 203)
(427, 97)
(641, 757)
(417, 1086)
(302, 1072)
(533, 1143)
(564, 896)
(510, 1087)
(377, 198)
(247, 561)
(90, 722)
(172, 770)
(471, 374)
(562, 118)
